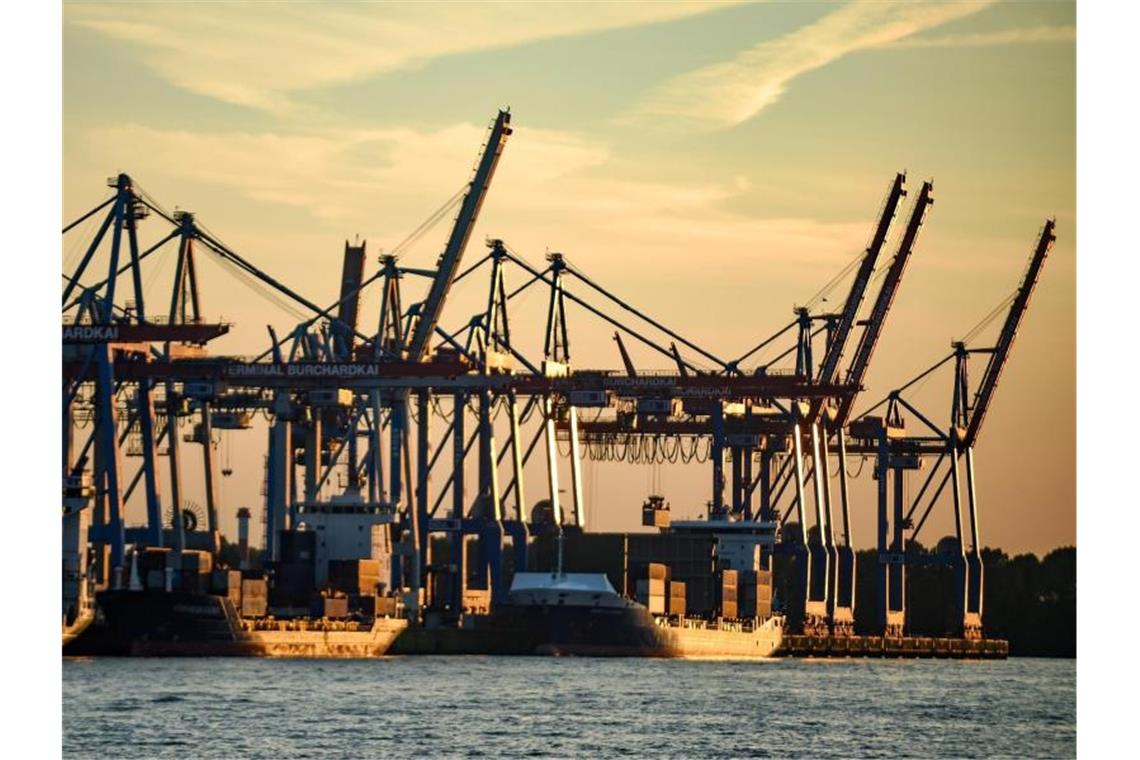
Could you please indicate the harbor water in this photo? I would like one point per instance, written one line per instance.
(567, 707)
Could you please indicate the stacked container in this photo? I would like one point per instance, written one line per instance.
(354, 576)
(227, 583)
(652, 591)
(152, 562)
(690, 558)
(254, 597)
(196, 568)
(729, 599)
(677, 599)
(332, 607)
(756, 594)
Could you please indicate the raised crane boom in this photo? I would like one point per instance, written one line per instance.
(453, 253)
(1008, 332)
(830, 364)
(870, 336)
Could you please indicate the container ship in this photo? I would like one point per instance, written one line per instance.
(675, 593)
(179, 606)
(331, 597)
(692, 589)
(580, 614)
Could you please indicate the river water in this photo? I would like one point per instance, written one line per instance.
(567, 707)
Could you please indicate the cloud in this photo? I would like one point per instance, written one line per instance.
(260, 55)
(986, 39)
(333, 174)
(728, 93)
(553, 188)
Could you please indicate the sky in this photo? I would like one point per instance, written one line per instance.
(713, 163)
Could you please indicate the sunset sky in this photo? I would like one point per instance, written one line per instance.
(715, 163)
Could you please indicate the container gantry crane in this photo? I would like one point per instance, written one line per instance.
(335, 390)
(896, 452)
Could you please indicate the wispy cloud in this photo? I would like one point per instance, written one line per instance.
(262, 54)
(986, 39)
(553, 188)
(729, 93)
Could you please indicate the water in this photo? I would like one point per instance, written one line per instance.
(568, 707)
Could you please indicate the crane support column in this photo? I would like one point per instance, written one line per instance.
(551, 459)
(803, 557)
(313, 436)
(145, 404)
(420, 522)
(210, 482)
(974, 579)
(458, 564)
(843, 616)
(173, 402)
(765, 508)
(821, 569)
(747, 454)
(717, 455)
(961, 568)
(827, 529)
(109, 443)
(517, 457)
(490, 507)
(881, 581)
(896, 594)
(576, 470)
(279, 474)
(376, 490)
(816, 617)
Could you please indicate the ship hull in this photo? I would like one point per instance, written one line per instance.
(628, 631)
(172, 624)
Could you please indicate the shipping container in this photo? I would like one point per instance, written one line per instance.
(297, 546)
(198, 561)
(253, 606)
(292, 583)
(354, 576)
(332, 607)
(254, 588)
(226, 583)
(677, 598)
(386, 606)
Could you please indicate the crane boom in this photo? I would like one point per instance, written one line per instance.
(830, 364)
(457, 242)
(870, 337)
(1013, 319)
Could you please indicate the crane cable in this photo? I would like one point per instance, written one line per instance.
(989, 318)
(430, 222)
(831, 284)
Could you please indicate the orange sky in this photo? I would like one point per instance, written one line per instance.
(715, 164)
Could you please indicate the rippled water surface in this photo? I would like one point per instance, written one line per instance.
(510, 707)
